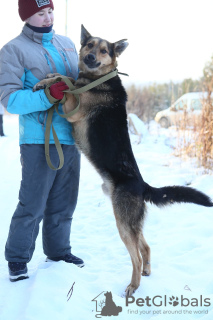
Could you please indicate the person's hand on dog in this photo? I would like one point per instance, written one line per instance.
(56, 90)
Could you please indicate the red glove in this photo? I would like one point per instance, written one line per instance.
(56, 90)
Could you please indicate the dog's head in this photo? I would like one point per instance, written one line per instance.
(98, 56)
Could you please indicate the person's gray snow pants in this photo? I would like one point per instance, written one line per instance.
(44, 194)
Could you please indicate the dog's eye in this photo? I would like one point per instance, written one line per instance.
(103, 51)
(90, 45)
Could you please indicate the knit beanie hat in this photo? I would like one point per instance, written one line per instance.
(28, 8)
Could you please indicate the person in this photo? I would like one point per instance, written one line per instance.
(44, 194)
(1, 120)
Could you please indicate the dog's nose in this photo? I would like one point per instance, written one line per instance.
(91, 57)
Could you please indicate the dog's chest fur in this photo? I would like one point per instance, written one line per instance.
(102, 134)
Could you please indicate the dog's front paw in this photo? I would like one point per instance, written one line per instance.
(39, 86)
(50, 75)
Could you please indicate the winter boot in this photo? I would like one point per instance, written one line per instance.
(17, 271)
(69, 258)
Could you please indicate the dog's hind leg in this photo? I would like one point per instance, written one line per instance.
(131, 241)
(129, 213)
(145, 252)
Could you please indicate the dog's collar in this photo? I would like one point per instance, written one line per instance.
(111, 74)
(123, 74)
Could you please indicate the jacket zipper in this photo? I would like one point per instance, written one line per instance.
(65, 58)
(44, 120)
(48, 62)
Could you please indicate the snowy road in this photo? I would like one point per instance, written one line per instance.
(180, 237)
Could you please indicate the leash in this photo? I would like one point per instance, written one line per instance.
(55, 106)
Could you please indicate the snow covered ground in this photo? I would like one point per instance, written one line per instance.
(180, 237)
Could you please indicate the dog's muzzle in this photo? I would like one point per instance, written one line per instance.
(91, 62)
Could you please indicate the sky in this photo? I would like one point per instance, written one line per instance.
(168, 39)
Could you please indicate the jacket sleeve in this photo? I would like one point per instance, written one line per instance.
(13, 95)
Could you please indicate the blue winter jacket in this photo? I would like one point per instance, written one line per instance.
(24, 61)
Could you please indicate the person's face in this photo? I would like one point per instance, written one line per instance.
(43, 18)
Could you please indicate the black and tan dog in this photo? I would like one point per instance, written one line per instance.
(101, 133)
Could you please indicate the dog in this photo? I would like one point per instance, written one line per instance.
(100, 131)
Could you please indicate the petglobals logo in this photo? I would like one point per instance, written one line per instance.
(164, 301)
(104, 301)
(159, 304)
(167, 305)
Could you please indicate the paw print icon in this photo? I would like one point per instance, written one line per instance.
(173, 301)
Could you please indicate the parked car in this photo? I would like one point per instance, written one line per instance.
(186, 110)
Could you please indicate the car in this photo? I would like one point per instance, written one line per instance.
(186, 110)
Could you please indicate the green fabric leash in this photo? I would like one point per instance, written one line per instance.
(55, 106)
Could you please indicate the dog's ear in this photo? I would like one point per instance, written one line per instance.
(84, 35)
(120, 46)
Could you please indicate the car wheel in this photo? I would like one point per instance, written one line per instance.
(164, 122)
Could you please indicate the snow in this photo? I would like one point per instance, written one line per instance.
(180, 237)
(138, 123)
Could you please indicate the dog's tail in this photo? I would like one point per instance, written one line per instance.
(171, 194)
